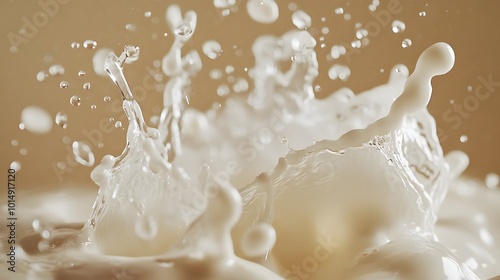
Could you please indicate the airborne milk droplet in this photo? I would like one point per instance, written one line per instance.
(212, 49)
(75, 100)
(263, 11)
(492, 180)
(61, 119)
(83, 153)
(301, 19)
(56, 70)
(406, 43)
(89, 44)
(398, 26)
(36, 120)
(224, 4)
(63, 84)
(16, 165)
(338, 71)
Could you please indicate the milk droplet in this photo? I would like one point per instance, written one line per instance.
(83, 154)
(356, 44)
(16, 165)
(398, 26)
(229, 69)
(361, 33)
(93, 106)
(263, 11)
(464, 138)
(75, 100)
(56, 70)
(223, 90)
(146, 228)
(86, 86)
(492, 180)
(301, 19)
(422, 14)
(89, 44)
(215, 74)
(130, 27)
(339, 11)
(118, 124)
(406, 43)
(107, 98)
(347, 17)
(63, 84)
(37, 225)
(61, 119)
(338, 71)
(81, 73)
(40, 76)
(337, 51)
(75, 45)
(212, 49)
(224, 4)
(36, 120)
(23, 151)
(147, 14)
(226, 12)
(14, 143)
(241, 85)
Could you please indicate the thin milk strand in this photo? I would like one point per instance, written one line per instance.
(180, 70)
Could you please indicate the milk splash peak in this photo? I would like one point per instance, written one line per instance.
(274, 185)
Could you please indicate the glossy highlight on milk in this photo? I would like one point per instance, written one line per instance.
(276, 184)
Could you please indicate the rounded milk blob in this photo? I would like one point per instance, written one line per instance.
(212, 49)
(36, 120)
(301, 19)
(263, 11)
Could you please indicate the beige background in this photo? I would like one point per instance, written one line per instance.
(471, 27)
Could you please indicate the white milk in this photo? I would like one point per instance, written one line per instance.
(275, 185)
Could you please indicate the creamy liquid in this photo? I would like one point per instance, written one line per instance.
(276, 185)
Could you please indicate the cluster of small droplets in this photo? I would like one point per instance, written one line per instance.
(54, 70)
(45, 233)
(232, 84)
(374, 5)
(338, 71)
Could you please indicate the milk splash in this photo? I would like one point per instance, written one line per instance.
(249, 191)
